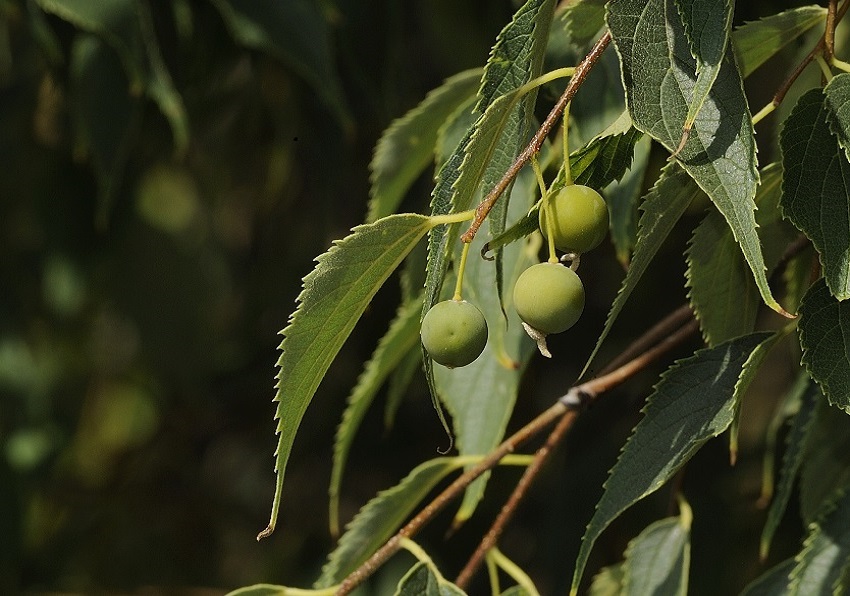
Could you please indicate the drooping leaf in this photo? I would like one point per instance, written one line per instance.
(722, 291)
(838, 103)
(825, 338)
(381, 517)
(399, 382)
(294, 32)
(623, 197)
(816, 184)
(659, 559)
(424, 580)
(126, 26)
(720, 153)
(481, 396)
(694, 402)
(608, 582)
(583, 19)
(792, 459)
(707, 27)
(756, 42)
(665, 203)
(407, 146)
(493, 141)
(773, 582)
(334, 297)
(826, 462)
(823, 562)
(116, 21)
(401, 338)
(104, 114)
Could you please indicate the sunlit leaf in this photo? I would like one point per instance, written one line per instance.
(334, 297)
(707, 26)
(815, 184)
(608, 582)
(401, 338)
(694, 401)
(381, 517)
(825, 338)
(756, 42)
(407, 146)
(659, 559)
(295, 32)
(720, 152)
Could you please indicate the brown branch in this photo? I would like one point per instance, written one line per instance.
(581, 72)
(565, 408)
(820, 48)
(829, 33)
(582, 393)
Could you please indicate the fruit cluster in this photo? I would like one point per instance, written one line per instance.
(548, 297)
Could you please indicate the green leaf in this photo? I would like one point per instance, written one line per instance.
(838, 103)
(608, 582)
(707, 26)
(424, 580)
(792, 460)
(126, 26)
(815, 184)
(334, 297)
(481, 396)
(401, 338)
(381, 517)
(826, 463)
(722, 292)
(756, 42)
(294, 32)
(659, 559)
(720, 153)
(623, 198)
(773, 582)
(407, 146)
(694, 402)
(103, 113)
(665, 203)
(823, 561)
(116, 21)
(825, 338)
(399, 382)
(583, 19)
(516, 59)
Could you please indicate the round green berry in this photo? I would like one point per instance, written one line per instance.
(580, 218)
(549, 297)
(454, 332)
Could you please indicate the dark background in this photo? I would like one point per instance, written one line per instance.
(138, 326)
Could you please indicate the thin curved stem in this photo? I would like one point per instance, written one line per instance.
(581, 72)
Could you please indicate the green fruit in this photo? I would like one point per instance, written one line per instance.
(454, 332)
(549, 297)
(580, 218)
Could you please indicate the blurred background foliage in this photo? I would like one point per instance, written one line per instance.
(169, 171)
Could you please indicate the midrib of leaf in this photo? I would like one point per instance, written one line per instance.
(694, 401)
(334, 297)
